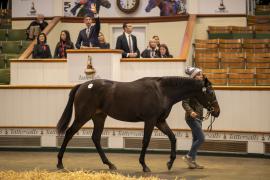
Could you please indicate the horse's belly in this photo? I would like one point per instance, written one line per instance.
(127, 117)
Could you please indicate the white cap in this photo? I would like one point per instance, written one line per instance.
(192, 71)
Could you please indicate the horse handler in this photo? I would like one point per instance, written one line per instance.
(194, 118)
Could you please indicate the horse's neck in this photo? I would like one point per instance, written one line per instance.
(179, 95)
(178, 92)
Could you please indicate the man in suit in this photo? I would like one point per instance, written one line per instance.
(128, 42)
(88, 37)
(151, 51)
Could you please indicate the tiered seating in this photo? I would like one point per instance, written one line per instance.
(241, 77)
(219, 32)
(230, 45)
(263, 76)
(242, 32)
(236, 77)
(262, 10)
(12, 44)
(234, 61)
(262, 31)
(258, 20)
(239, 32)
(258, 60)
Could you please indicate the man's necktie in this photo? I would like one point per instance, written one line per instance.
(88, 32)
(129, 44)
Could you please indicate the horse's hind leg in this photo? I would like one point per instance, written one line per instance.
(148, 129)
(163, 127)
(99, 120)
(77, 124)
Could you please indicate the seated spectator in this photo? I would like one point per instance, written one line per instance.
(64, 44)
(41, 49)
(164, 51)
(36, 27)
(151, 51)
(102, 43)
(157, 40)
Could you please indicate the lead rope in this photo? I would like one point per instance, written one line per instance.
(212, 120)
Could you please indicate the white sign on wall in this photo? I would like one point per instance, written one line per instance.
(221, 6)
(30, 8)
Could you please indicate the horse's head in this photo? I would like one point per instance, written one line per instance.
(207, 98)
(152, 4)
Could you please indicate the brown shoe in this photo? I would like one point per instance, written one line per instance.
(189, 162)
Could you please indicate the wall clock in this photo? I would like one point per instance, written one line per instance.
(128, 6)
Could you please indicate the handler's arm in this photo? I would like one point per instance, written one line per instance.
(186, 106)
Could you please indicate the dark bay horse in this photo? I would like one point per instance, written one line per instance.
(149, 100)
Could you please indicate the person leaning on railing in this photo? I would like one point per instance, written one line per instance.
(164, 51)
(102, 42)
(151, 51)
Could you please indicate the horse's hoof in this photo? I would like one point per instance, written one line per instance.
(112, 167)
(146, 169)
(169, 165)
(60, 166)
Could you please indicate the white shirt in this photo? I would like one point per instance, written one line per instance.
(131, 42)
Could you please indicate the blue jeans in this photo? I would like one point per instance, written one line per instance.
(197, 134)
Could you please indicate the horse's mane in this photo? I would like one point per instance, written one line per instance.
(179, 81)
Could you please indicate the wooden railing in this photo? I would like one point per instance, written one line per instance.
(187, 41)
(152, 60)
(48, 29)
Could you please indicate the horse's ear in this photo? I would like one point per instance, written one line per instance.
(206, 81)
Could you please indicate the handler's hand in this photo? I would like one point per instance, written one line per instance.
(193, 114)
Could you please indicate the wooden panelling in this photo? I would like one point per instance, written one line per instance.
(130, 19)
(224, 146)
(20, 141)
(86, 142)
(155, 143)
(267, 148)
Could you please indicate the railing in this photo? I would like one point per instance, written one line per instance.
(47, 30)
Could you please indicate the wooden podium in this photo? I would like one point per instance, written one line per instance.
(92, 63)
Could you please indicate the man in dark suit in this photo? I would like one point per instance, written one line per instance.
(88, 37)
(128, 43)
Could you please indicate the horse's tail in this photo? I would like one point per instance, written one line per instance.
(66, 116)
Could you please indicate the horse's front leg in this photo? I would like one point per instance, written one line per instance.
(163, 127)
(148, 129)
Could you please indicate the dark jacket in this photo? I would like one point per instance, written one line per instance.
(58, 53)
(41, 51)
(104, 45)
(165, 56)
(190, 105)
(93, 36)
(147, 53)
(122, 43)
